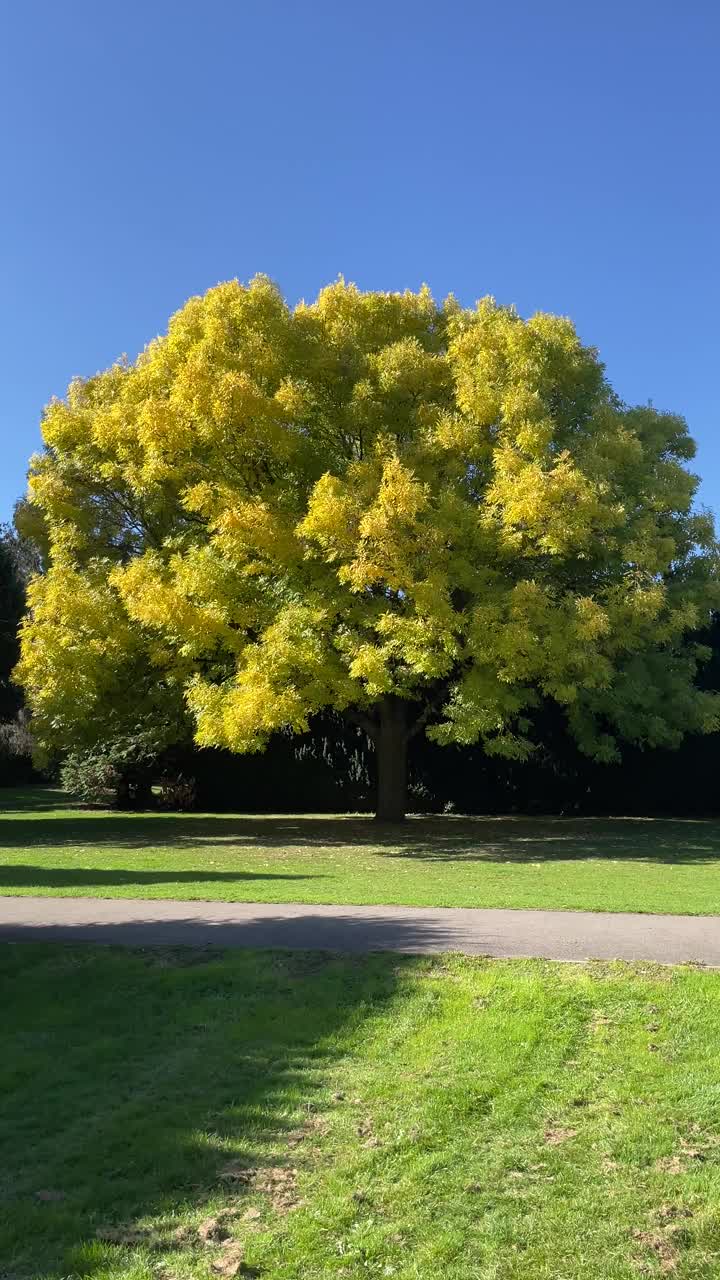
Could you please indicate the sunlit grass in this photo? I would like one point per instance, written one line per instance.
(374, 1116)
(47, 846)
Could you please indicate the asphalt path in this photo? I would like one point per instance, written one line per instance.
(554, 935)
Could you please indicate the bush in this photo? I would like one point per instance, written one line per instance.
(118, 772)
(16, 752)
(177, 792)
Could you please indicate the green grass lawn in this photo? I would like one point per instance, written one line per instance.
(49, 847)
(423, 1119)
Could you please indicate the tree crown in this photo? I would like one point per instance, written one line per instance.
(278, 510)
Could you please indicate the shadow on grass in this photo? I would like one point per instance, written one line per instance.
(130, 1078)
(17, 875)
(332, 931)
(434, 839)
(34, 799)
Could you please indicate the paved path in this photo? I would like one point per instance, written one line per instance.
(555, 935)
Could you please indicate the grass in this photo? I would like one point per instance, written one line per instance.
(358, 1117)
(651, 865)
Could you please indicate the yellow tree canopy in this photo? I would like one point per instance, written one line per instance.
(412, 512)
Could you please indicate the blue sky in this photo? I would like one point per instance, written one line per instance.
(561, 156)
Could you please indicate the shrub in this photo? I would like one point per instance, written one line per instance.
(177, 792)
(16, 752)
(117, 772)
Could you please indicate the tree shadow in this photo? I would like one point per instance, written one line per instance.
(544, 840)
(133, 1078)
(328, 930)
(437, 839)
(19, 875)
(37, 799)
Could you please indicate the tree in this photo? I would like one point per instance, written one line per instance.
(12, 606)
(425, 517)
(16, 564)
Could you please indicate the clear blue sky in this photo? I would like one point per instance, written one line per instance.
(560, 155)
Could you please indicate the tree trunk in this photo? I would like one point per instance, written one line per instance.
(122, 793)
(391, 739)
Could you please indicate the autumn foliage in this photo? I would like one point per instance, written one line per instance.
(428, 517)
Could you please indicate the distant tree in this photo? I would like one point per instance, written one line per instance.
(12, 607)
(16, 564)
(422, 516)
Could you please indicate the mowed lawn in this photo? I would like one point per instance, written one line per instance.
(180, 1114)
(49, 847)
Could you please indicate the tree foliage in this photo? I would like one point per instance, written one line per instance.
(12, 607)
(17, 563)
(116, 771)
(417, 514)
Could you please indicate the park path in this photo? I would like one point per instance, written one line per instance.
(554, 935)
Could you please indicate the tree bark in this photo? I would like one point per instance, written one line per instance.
(391, 739)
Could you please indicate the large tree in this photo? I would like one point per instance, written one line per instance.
(423, 516)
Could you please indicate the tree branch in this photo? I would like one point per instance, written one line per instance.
(421, 720)
(429, 710)
(363, 720)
